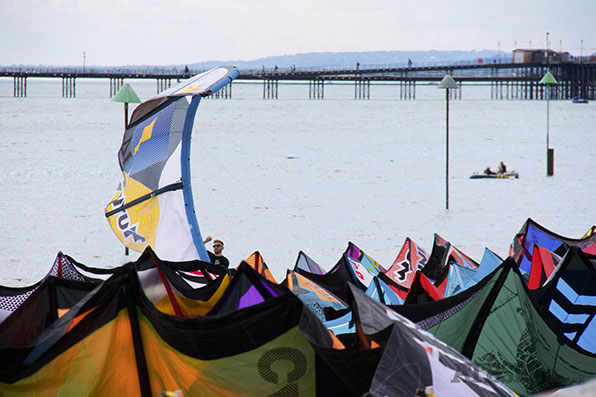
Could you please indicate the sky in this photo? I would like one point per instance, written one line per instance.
(174, 32)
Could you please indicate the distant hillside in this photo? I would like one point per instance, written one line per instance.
(321, 59)
(367, 59)
(372, 58)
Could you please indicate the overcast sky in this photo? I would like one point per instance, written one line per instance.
(160, 32)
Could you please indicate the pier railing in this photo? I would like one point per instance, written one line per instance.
(577, 78)
(165, 70)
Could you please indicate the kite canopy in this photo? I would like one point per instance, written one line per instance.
(306, 263)
(569, 298)
(532, 234)
(410, 259)
(500, 327)
(64, 267)
(146, 331)
(153, 204)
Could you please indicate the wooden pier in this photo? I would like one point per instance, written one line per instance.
(506, 80)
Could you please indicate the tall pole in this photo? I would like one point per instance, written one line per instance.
(125, 95)
(446, 84)
(125, 116)
(126, 250)
(447, 152)
(83, 61)
(547, 101)
(548, 80)
(547, 95)
(547, 116)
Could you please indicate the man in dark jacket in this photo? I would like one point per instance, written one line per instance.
(216, 256)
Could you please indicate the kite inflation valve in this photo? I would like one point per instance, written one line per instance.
(550, 162)
(177, 393)
(428, 391)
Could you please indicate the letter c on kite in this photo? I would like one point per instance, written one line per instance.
(293, 355)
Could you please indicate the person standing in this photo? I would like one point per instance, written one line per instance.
(217, 257)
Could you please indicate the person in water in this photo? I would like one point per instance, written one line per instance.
(216, 256)
(502, 168)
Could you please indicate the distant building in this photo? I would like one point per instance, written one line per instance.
(539, 56)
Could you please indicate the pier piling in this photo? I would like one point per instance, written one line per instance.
(163, 84)
(407, 89)
(20, 86)
(223, 93)
(115, 85)
(362, 88)
(316, 89)
(270, 89)
(69, 87)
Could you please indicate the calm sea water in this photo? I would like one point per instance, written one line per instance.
(280, 176)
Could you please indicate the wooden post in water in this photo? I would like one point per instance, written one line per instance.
(548, 80)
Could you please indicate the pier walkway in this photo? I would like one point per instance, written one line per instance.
(507, 80)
